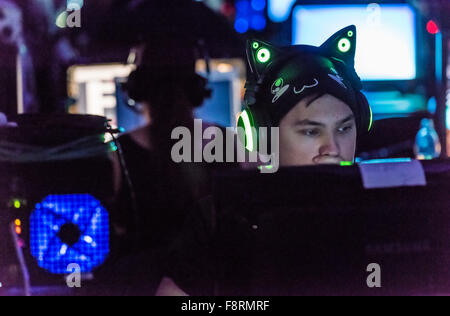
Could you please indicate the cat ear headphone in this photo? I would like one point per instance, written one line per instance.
(254, 123)
(339, 48)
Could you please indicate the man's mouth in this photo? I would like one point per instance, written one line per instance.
(327, 160)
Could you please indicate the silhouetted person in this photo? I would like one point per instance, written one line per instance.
(167, 87)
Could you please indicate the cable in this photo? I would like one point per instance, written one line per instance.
(20, 258)
(87, 147)
(126, 174)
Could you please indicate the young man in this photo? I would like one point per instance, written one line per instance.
(313, 95)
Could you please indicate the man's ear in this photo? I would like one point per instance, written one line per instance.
(342, 45)
(260, 55)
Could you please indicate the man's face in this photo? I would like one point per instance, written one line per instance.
(323, 132)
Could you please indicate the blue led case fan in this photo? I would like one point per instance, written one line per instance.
(66, 229)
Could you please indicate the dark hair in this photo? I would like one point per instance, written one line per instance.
(166, 73)
(159, 87)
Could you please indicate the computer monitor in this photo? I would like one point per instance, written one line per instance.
(318, 231)
(386, 44)
(226, 79)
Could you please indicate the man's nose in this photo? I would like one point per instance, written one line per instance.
(329, 147)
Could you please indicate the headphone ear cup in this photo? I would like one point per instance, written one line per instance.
(135, 86)
(197, 91)
(247, 129)
(366, 113)
(254, 127)
(264, 130)
(257, 118)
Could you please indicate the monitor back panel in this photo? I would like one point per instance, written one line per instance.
(311, 231)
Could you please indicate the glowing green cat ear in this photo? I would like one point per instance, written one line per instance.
(342, 45)
(260, 55)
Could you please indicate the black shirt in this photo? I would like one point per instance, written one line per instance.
(164, 191)
(192, 265)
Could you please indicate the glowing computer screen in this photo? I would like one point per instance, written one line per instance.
(386, 44)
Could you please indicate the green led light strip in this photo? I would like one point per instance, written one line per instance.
(248, 131)
(371, 118)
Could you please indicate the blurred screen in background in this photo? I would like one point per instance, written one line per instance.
(386, 36)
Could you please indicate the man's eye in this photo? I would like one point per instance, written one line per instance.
(310, 132)
(346, 129)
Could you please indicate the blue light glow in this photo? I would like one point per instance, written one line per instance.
(386, 44)
(258, 5)
(432, 105)
(243, 7)
(389, 160)
(279, 10)
(439, 57)
(250, 14)
(84, 215)
(241, 25)
(448, 109)
(258, 22)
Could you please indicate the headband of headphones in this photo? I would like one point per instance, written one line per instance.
(163, 69)
(279, 78)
